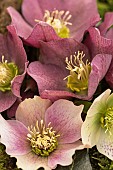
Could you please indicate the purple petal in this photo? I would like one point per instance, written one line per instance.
(7, 99)
(31, 110)
(63, 154)
(41, 31)
(17, 82)
(14, 137)
(48, 76)
(55, 52)
(65, 119)
(100, 66)
(32, 161)
(106, 24)
(12, 48)
(109, 75)
(22, 28)
(98, 44)
(54, 95)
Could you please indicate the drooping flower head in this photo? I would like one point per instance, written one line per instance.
(97, 128)
(13, 62)
(52, 20)
(67, 69)
(43, 134)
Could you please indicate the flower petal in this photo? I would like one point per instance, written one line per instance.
(105, 144)
(14, 137)
(90, 130)
(48, 76)
(32, 161)
(65, 119)
(99, 104)
(63, 154)
(31, 110)
(19, 23)
(7, 99)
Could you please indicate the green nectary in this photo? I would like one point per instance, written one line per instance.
(7, 72)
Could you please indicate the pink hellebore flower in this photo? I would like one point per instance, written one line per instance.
(13, 64)
(67, 69)
(43, 134)
(68, 18)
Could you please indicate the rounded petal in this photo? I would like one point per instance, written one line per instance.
(32, 161)
(65, 119)
(99, 104)
(19, 23)
(7, 99)
(14, 137)
(48, 77)
(31, 110)
(105, 144)
(90, 131)
(63, 154)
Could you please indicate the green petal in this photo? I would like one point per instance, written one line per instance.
(90, 130)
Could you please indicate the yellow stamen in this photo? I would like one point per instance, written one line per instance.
(79, 72)
(59, 21)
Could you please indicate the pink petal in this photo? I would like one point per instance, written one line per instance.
(14, 137)
(32, 161)
(19, 23)
(31, 110)
(106, 24)
(7, 99)
(65, 119)
(63, 154)
(48, 76)
(17, 82)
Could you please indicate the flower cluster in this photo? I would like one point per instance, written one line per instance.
(54, 54)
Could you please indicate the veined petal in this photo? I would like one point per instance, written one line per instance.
(14, 137)
(90, 130)
(99, 104)
(63, 154)
(105, 143)
(65, 119)
(31, 110)
(32, 161)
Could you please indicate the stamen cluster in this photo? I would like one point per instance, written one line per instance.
(43, 140)
(79, 72)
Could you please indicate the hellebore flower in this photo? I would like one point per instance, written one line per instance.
(43, 134)
(66, 18)
(13, 63)
(66, 69)
(97, 129)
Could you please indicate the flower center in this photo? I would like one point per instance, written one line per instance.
(77, 81)
(43, 140)
(107, 120)
(7, 72)
(59, 21)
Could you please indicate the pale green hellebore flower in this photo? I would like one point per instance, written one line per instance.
(97, 128)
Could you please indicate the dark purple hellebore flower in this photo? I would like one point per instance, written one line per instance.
(13, 64)
(68, 18)
(105, 44)
(63, 71)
